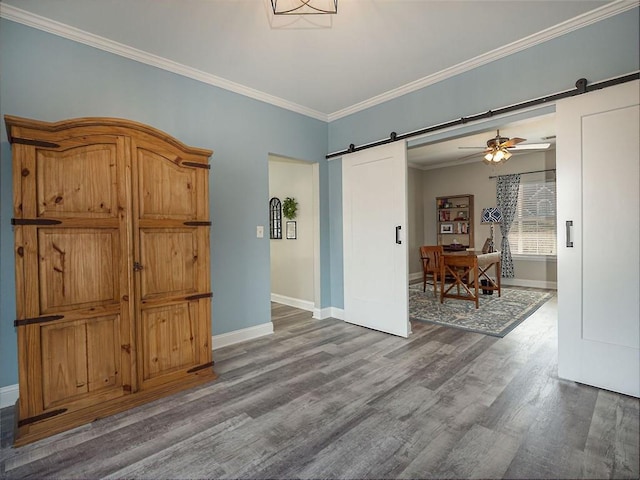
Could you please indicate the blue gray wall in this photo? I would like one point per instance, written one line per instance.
(49, 78)
(46, 77)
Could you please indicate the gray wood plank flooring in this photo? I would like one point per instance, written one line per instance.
(326, 399)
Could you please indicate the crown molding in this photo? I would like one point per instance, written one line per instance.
(66, 31)
(550, 33)
(71, 33)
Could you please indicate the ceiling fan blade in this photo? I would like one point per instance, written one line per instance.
(531, 146)
(472, 155)
(513, 141)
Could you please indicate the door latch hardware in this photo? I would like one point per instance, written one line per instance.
(398, 241)
(569, 226)
(137, 267)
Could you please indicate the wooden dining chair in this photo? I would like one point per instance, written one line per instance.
(463, 270)
(430, 256)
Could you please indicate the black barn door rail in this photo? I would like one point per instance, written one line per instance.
(581, 87)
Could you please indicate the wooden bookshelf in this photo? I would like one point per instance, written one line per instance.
(454, 222)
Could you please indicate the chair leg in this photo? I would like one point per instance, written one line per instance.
(435, 284)
(475, 286)
(424, 281)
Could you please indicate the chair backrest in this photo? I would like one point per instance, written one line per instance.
(430, 255)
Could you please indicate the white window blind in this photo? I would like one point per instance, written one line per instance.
(534, 228)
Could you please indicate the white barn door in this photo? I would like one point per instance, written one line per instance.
(374, 203)
(598, 158)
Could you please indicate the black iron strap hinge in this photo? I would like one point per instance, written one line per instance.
(36, 143)
(34, 221)
(196, 165)
(42, 416)
(30, 321)
(197, 224)
(200, 367)
(199, 295)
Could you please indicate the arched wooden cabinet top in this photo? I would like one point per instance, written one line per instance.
(20, 129)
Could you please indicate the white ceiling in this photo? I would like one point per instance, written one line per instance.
(370, 48)
(371, 51)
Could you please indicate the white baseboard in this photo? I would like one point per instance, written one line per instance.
(415, 276)
(242, 335)
(8, 395)
(318, 313)
(522, 282)
(328, 312)
(293, 302)
(321, 313)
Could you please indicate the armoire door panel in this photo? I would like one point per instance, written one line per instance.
(169, 337)
(80, 358)
(169, 262)
(78, 268)
(166, 190)
(77, 182)
(64, 355)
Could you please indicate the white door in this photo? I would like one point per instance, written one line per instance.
(374, 206)
(598, 175)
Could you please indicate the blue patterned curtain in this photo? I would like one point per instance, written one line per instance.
(507, 188)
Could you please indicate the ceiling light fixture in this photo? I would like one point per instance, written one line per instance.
(304, 7)
(497, 155)
(497, 149)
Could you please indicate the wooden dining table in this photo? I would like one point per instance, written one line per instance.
(467, 269)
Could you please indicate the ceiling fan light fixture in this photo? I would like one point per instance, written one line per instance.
(304, 7)
(497, 156)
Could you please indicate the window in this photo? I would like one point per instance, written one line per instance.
(275, 218)
(534, 227)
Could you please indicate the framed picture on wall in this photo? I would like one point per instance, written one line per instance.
(292, 232)
(446, 228)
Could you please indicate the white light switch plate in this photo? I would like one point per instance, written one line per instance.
(259, 231)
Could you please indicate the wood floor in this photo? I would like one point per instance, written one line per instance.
(326, 399)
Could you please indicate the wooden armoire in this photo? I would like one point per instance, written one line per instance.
(113, 290)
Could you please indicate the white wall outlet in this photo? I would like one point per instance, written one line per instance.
(259, 231)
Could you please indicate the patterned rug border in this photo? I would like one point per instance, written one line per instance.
(547, 295)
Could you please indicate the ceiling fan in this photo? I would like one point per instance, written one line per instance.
(499, 148)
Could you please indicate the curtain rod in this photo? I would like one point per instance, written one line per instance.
(581, 87)
(526, 173)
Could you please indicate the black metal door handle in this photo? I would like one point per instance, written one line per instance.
(568, 225)
(398, 241)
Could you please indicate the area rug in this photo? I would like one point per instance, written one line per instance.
(496, 316)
